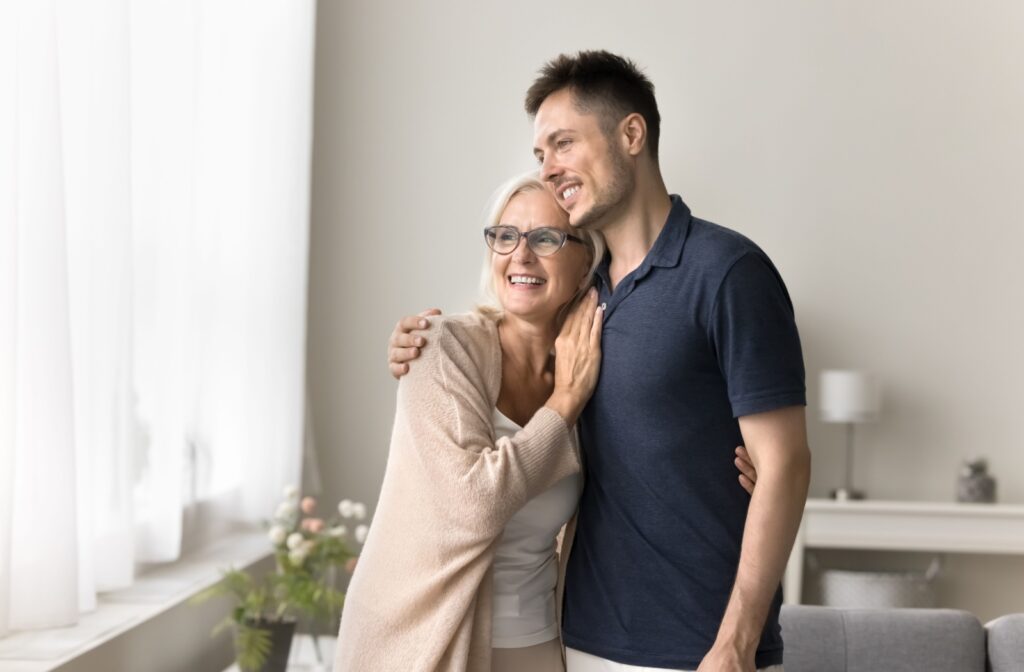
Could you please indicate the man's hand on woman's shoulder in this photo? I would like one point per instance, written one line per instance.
(404, 344)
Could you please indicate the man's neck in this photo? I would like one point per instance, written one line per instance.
(631, 235)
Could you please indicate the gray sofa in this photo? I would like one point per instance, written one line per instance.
(823, 639)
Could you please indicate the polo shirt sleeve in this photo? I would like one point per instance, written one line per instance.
(753, 332)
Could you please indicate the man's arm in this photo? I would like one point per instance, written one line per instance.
(777, 444)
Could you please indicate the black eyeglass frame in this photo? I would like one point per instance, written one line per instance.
(528, 235)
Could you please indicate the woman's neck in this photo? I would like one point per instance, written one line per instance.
(526, 347)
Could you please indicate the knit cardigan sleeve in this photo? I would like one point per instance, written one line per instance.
(445, 410)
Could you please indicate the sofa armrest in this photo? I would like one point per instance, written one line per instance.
(1006, 643)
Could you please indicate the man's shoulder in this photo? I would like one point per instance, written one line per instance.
(718, 243)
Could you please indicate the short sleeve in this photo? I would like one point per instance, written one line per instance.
(753, 332)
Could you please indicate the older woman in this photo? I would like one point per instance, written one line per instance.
(483, 468)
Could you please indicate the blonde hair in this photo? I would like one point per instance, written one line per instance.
(594, 241)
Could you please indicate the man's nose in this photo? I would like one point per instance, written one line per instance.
(549, 169)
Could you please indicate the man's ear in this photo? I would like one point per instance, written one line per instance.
(633, 134)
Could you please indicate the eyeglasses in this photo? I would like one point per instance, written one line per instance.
(544, 241)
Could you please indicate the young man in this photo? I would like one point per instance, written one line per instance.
(671, 566)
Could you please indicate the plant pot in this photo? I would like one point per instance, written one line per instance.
(281, 634)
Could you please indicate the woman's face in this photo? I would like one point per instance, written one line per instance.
(528, 286)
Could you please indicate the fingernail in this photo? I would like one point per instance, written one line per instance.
(423, 324)
(419, 341)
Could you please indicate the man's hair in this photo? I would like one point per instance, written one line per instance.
(603, 84)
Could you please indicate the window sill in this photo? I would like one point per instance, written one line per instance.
(153, 593)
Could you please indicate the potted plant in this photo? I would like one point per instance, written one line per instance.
(307, 551)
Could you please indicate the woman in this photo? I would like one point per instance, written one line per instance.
(484, 425)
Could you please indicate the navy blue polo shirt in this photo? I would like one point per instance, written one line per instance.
(700, 334)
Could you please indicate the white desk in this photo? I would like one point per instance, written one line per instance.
(903, 526)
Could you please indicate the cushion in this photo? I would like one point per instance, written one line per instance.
(823, 639)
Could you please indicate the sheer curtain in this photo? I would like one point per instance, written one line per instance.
(154, 181)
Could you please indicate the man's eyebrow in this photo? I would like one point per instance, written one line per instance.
(550, 138)
(558, 131)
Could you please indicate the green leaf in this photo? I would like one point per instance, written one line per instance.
(252, 647)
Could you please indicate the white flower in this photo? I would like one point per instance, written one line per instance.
(361, 533)
(295, 540)
(297, 556)
(286, 510)
(345, 508)
(291, 492)
(339, 531)
(277, 535)
(359, 511)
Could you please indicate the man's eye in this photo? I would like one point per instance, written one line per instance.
(539, 157)
(562, 144)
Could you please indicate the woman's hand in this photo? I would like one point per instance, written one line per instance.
(577, 359)
(748, 474)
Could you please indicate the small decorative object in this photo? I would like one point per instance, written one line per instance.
(849, 397)
(975, 484)
(307, 550)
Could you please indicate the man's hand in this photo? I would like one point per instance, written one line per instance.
(404, 345)
(726, 659)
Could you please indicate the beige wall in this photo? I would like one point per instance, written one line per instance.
(874, 150)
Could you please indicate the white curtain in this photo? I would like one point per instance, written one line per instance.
(154, 187)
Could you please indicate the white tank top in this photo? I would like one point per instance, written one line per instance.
(525, 569)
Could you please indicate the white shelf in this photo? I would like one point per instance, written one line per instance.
(939, 527)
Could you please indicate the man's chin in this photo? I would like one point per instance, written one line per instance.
(584, 220)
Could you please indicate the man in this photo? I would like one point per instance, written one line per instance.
(671, 566)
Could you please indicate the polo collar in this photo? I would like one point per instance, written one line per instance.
(668, 247)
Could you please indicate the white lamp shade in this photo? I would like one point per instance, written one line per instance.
(849, 396)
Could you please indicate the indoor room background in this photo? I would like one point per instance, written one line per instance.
(874, 150)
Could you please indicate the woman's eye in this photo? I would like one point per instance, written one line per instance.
(507, 236)
(547, 238)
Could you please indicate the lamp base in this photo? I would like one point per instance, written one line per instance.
(846, 494)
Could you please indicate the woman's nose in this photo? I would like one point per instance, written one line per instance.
(523, 253)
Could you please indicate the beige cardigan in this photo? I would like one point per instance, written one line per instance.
(420, 598)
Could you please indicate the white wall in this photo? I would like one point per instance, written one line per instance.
(874, 150)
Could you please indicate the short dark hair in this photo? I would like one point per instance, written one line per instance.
(602, 83)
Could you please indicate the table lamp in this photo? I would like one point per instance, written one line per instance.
(849, 397)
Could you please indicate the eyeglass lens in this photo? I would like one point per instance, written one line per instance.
(543, 241)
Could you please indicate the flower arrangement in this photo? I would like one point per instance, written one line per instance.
(307, 548)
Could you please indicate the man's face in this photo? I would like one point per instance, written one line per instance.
(590, 175)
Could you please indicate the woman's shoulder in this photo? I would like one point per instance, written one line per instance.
(468, 340)
(473, 329)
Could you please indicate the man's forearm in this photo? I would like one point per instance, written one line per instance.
(771, 526)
